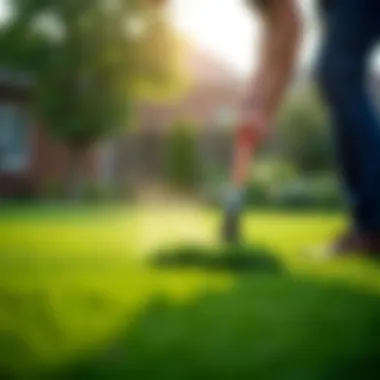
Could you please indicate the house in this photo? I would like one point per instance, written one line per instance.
(208, 104)
(31, 160)
(16, 147)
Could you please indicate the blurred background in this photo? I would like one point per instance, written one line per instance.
(116, 129)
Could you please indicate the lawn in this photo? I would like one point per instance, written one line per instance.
(75, 294)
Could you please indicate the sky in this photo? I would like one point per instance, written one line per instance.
(2, 8)
(224, 27)
(229, 30)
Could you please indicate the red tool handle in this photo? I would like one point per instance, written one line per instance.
(248, 139)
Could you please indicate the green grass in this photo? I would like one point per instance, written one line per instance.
(75, 295)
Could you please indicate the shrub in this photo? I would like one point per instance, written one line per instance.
(52, 190)
(258, 194)
(182, 166)
(94, 192)
(308, 193)
(304, 134)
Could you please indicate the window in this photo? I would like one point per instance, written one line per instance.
(14, 133)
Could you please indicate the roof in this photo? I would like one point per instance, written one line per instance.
(206, 68)
(215, 87)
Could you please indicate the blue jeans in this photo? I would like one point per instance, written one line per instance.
(352, 31)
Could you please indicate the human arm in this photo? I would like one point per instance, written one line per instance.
(281, 32)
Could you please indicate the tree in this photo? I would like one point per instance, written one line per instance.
(89, 64)
(182, 166)
(304, 136)
(158, 59)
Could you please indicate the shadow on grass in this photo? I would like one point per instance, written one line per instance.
(113, 323)
(268, 327)
(225, 258)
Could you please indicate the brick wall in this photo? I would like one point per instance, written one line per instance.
(48, 164)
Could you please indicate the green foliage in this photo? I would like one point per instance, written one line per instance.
(276, 185)
(297, 193)
(182, 166)
(309, 193)
(87, 61)
(304, 136)
(258, 194)
(97, 193)
(158, 60)
(52, 190)
(94, 193)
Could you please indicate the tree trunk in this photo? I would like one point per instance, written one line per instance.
(76, 174)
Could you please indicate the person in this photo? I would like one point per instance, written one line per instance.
(351, 31)
(282, 30)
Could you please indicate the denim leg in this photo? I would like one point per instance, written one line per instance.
(352, 30)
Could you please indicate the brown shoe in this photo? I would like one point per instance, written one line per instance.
(351, 244)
